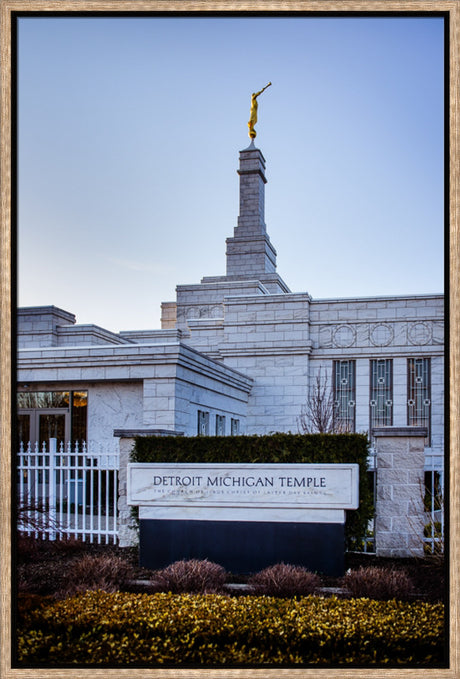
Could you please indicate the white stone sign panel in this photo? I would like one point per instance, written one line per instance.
(246, 489)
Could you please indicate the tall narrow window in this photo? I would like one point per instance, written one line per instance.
(234, 427)
(203, 423)
(381, 393)
(419, 393)
(344, 395)
(220, 425)
(79, 409)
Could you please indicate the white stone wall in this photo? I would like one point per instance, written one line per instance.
(282, 340)
(113, 405)
(53, 327)
(37, 326)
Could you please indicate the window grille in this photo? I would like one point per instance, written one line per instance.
(203, 423)
(381, 393)
(344, 394)
(220, 425)
(419, 394)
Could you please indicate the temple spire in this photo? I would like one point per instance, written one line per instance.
(250, 253)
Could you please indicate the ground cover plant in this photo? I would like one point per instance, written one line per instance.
(166, 628)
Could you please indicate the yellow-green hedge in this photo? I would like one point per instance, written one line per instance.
(213, 629)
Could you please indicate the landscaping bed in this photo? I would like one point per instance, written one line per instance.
(49, 568)
(81, 603)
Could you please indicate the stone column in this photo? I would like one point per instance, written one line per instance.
(252, 192)
(400, 463)
(128, 535)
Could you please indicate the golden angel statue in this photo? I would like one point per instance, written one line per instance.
(253, 114)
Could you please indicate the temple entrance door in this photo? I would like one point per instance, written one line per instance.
(53, 424)
(39, 425)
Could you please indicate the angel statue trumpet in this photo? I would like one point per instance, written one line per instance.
(253, 114)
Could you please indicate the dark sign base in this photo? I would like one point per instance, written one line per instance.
(244, 547)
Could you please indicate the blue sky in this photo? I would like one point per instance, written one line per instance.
(128, 137)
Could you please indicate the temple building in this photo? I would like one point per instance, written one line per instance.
(237, 354)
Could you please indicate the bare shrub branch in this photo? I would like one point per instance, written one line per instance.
(34, 516)
(378, 583)
(193, 575)
(284, 580)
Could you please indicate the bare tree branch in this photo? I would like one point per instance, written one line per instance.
(319, 414)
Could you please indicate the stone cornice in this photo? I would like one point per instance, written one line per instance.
(258, 349)
(120, 362)
(258, 172)
(284, 297)
(131, 433)
(389, 432)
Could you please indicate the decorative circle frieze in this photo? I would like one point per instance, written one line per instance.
(216, 311)
(420, 333)
(382, 335)
(193, 312)
(344, 336)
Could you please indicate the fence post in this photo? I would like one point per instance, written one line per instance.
(52, 488)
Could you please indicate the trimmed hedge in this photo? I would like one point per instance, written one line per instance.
(101, 628)
(272, 449)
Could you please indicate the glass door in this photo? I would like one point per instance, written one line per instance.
(53, 424)
(23, 429)
(38, 426)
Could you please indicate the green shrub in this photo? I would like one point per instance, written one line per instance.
(193, 575)
(378, 583)
(213, 629)
(284, 580)
(275, 448)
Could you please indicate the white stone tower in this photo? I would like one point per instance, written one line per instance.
(250, 254)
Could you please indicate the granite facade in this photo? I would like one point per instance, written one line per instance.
(243, 347)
